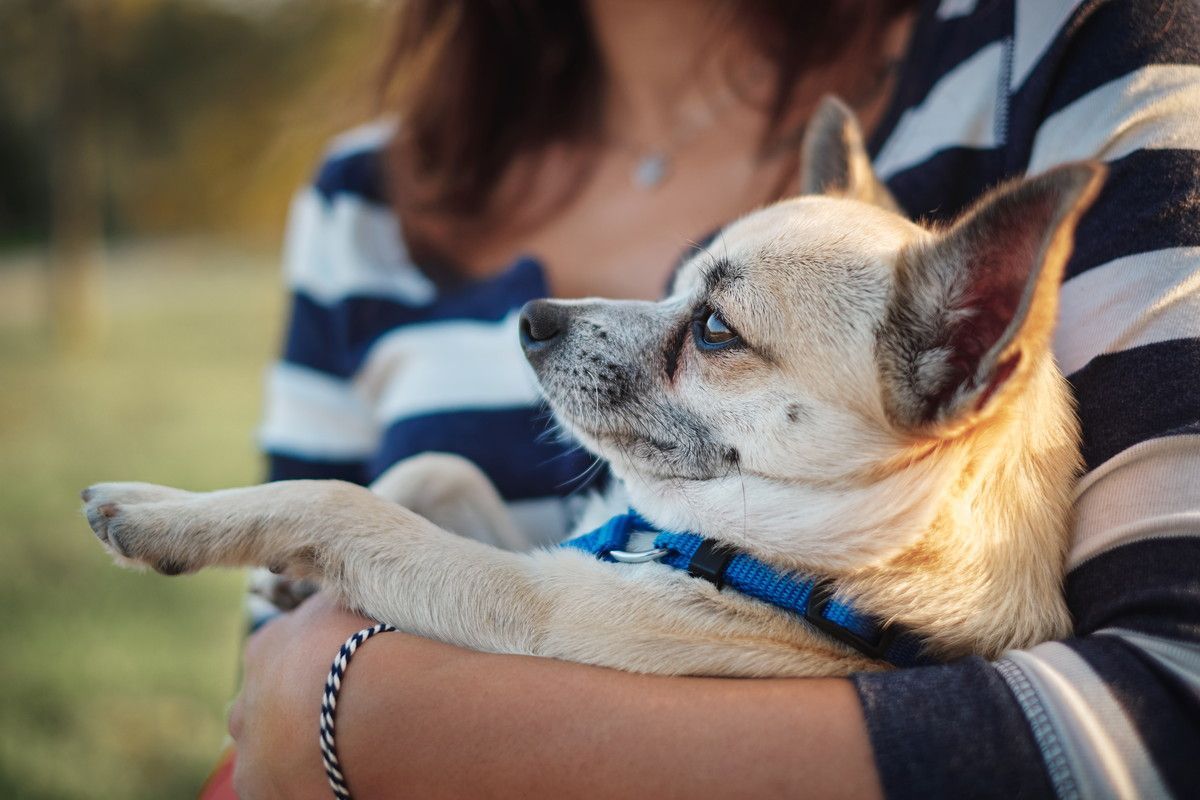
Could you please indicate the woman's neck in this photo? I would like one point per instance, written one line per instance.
(665, 63)
(671, 63)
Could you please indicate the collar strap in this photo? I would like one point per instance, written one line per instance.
(815, 599)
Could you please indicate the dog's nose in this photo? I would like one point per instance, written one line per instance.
(542, 321)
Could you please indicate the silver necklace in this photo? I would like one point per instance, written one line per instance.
(653, 166)
(651, 169)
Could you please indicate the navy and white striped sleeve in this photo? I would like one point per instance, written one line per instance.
(342, 242)
(1113, 711)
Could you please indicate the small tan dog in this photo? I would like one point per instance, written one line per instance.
(832, 390)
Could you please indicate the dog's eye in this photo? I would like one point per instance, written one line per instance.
(712, 332)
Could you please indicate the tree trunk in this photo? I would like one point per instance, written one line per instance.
(76, 225)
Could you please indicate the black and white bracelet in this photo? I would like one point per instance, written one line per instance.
(333, 684)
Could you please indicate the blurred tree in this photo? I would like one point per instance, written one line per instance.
(201, 115)
(75, 173)
(26, 59)
(166, 117)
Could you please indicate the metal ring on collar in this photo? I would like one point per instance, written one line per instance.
(638, 558)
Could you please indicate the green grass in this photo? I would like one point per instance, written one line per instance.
(115, 682)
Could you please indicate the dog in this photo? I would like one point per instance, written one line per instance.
(829, 390)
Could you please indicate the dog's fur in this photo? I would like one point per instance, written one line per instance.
(891, 418)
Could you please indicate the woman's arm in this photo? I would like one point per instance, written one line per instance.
(432, 720)
(1112, 711)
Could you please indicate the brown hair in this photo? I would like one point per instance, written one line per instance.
(483, 82)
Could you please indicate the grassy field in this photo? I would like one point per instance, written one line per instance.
(116, 683)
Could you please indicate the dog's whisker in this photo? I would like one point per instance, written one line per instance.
(585, 477)
(745, 508)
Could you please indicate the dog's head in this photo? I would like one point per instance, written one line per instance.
(812, 353)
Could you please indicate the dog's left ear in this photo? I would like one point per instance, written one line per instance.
(834, 160)
(974, 306)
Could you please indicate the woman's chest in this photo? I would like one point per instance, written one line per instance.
(616, 238)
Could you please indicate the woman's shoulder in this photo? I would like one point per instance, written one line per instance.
(353, 164)
(345, 253)
(344, 239)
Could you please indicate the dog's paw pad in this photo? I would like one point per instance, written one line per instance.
(169, 567)
(134, 521)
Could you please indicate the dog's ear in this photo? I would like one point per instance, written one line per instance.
(834, 160)
(972, 307)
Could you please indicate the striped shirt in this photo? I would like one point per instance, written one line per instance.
(381, 363)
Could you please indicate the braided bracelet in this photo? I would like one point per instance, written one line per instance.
(333, 684)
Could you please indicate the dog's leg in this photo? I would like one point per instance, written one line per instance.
(375, 555)
(275, 524)
(454, 494)
(447, 490)
(400, 568)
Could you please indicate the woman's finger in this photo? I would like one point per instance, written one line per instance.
(236, 721)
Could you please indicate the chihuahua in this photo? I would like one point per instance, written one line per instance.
(830, 390)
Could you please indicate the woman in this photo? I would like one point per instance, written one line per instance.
(656, 125)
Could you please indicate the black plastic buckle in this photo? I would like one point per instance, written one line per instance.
(710, 562)
(819, 598)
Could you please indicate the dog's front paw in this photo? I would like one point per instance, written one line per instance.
(139, 523)
(285, 593)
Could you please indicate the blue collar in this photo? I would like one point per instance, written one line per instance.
(810, 597)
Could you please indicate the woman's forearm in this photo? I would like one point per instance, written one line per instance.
(437, 721)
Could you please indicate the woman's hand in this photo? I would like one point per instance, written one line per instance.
(274, 719)
(423, 719)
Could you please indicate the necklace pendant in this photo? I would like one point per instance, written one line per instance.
(651, 170)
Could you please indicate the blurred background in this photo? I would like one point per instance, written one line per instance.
(148, 151)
